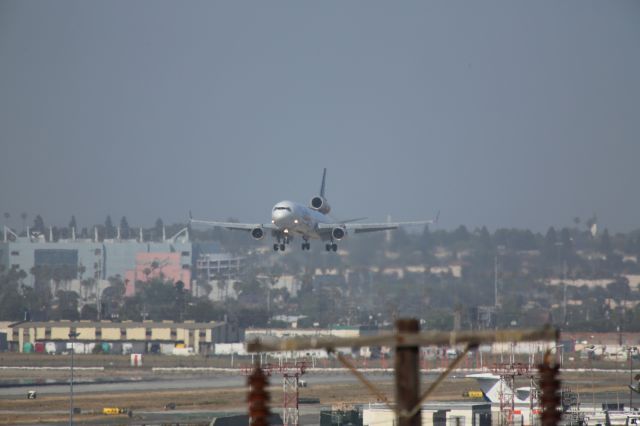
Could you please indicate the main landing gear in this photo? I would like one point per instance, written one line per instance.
(331, 247)
(306, 246)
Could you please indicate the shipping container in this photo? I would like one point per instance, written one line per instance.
(116, 348)
(4, 345)
(166, 348)
(139, 347)
(78, 347)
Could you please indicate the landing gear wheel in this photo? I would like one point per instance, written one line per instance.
(275, 247)
(282, 246)
(327, 247)
(334, 247)
(306, 246)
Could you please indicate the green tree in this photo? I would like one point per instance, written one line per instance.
(38, 225)
(157, 229)
(67, 305)
(109, 229)
(12, 303)
(203, 310)
(550, 250)
(89, 312)
(24, 216)
(125, 230)
(73, 224)
(605, 243)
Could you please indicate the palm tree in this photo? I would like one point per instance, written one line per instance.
(221, 283)
(86, 285)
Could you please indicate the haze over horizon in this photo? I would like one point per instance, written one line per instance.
(495, 113)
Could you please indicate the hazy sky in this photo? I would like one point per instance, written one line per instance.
(505, 114)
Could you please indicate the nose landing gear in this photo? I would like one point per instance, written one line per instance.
(281, 244)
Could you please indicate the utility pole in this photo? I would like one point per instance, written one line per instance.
(73, 336)
(495, 281)
(564, 291)
(407, 372)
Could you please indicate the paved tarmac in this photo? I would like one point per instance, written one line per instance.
(181, 382)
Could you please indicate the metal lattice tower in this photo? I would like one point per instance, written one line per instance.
(508, 373)
(290, 413)
(291, 373)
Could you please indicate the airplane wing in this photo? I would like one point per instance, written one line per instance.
(233, 225)
(358, 228)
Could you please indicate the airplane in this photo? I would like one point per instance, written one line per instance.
(494, 386)
(289, 218)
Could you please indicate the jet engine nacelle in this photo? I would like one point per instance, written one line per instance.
(338, 233)
(320, 204)
(257, 233)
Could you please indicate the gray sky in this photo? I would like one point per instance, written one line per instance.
(509, 114)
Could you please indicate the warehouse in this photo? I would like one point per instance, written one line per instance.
(120, 337)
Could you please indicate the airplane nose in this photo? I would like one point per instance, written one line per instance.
(281, 217)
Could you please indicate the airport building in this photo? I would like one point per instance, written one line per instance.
(75, 260)
(79, 259)
(118, 337)
(218, 268)
(436, 413)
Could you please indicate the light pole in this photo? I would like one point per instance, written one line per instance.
(561, 346)
(99, 301)
(630, 354)
(73, 336)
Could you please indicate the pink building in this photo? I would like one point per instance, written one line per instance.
(157, 265)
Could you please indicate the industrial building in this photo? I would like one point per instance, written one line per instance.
(434, 413)
(120, 337)
(133, 260)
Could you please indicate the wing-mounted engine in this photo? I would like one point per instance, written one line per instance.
(320, 204)
(338, 233)
(257, 233)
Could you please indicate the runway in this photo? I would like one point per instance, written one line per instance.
(164, 383)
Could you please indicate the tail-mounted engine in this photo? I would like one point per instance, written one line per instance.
(320, 204)
(338, 233)
(257, 233)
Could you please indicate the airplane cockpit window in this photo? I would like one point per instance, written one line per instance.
(282, 208)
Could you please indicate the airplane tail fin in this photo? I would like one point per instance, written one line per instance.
(491, 386)
(324, 177)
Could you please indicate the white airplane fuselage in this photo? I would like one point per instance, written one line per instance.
(294, 218)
